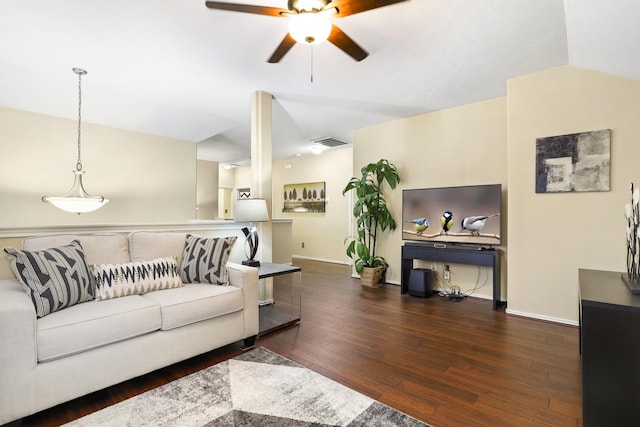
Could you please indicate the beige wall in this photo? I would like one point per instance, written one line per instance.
(322, 233)
(459, 146)
(148, 179)
(242, 177)
(551, 236)
(207, 189)
(226, 177)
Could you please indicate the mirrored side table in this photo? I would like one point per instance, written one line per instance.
(283, 308)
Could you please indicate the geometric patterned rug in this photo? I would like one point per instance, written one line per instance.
(257, 388)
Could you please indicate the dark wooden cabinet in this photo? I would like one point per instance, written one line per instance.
(610, 345)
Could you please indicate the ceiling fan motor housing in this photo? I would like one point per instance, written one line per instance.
(307, 5)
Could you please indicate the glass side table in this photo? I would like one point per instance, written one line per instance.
(282, 305)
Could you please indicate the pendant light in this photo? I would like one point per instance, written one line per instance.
(77, 200)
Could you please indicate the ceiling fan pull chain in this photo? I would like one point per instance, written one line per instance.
(311, 63)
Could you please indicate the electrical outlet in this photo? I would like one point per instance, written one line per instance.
(434, 267)
(302, 245)
(447, 273)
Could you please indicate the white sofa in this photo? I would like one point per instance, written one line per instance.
(89, 346)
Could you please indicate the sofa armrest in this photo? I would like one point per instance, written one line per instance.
(17, 352)
(246, 277)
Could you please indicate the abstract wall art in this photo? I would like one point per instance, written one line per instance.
(574, 162)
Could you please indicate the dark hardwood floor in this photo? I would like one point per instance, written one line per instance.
(445, 363)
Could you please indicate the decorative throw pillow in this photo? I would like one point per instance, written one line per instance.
(205, 260)
(54, 278)
(134, 278)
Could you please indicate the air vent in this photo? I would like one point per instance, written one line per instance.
(329, 141)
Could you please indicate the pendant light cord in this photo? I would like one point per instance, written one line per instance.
(79, 163)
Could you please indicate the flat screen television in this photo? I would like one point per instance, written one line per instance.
(469, 215)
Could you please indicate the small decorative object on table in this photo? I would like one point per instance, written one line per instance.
(632, 213)
(251, 211)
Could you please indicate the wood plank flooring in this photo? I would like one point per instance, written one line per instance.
(445, 363)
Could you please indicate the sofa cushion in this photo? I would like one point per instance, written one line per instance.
(54, 278)
(204, 260)
(195, 302)
(86, 326)
(146, 245)
(100, 248)
(133, 278)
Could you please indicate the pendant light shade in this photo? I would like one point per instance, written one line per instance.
(77, 200)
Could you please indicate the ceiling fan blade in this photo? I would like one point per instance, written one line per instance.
(346, 44)
(351, 7)
(285, 45)
(246, 8)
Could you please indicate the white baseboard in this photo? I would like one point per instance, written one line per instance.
(332, 261)
(542, 317)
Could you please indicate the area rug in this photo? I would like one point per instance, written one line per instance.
(257, 388)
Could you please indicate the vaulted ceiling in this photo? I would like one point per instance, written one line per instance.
(176, 68)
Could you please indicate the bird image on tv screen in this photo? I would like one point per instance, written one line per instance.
(467, 214)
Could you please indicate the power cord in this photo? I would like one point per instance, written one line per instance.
(479, 286)
(453, 292)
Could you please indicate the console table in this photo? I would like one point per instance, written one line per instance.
(610, 345)
(285, 308)
(454, 255)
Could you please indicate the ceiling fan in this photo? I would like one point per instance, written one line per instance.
(309, 22)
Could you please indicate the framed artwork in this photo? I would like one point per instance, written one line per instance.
(244, 193)
(573, 163)
(304, 197)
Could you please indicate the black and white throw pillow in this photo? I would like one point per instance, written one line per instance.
(204, 260)
(135, 278)
(54, 278)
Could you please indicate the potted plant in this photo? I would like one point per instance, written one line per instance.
(372, 216)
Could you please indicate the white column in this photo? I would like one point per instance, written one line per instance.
(261, 164)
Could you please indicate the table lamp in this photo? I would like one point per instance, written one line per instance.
(251, 211)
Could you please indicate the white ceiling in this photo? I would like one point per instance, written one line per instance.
(178, 69)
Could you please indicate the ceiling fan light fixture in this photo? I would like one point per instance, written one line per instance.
(309, 27)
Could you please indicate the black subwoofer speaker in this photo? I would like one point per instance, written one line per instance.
(421, 282)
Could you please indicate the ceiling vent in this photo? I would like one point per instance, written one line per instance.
(329, 141)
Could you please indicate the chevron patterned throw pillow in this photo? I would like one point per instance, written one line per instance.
(205, 260)
(135, 278)
(54, 278)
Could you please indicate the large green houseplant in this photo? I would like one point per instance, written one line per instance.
(372, 216)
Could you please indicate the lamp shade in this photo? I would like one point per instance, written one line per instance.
(251, 210)
(309, 27)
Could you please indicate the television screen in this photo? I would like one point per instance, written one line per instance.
(465, 215)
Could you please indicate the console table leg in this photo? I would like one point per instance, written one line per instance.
(496, 282)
